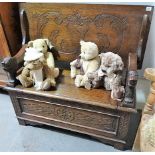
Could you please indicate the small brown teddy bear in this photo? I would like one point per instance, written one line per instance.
(32, 74)
(109, 75)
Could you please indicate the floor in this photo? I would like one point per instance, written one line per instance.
(15, 138)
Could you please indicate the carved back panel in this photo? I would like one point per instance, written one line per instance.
(117, 28)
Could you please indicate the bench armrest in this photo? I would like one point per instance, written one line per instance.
(132, 77)
(132, 62)
(12, 64)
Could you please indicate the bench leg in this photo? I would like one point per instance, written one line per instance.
(116, 145)
(25, 123)
(22, 122)
(119, 146)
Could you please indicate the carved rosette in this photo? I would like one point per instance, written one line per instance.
(64, 114)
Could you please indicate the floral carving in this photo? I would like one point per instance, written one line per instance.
(67, 30)
(114, 22)
(65, 114)
(77, 19)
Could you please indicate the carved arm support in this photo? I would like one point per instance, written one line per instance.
(132, 77)
(12, 64)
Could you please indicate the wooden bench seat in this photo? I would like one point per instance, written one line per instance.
(66, 90)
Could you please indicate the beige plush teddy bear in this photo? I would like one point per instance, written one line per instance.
(42, 46)
(88, 62)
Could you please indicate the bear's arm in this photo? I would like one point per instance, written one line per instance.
(77, 63)
(50, 60)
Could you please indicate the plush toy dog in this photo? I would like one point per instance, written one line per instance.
(88, 62)
(109, 75)
(33, 73)
(42, 46)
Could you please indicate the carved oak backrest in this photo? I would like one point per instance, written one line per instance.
(117, 28)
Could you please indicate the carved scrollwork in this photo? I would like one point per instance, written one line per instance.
(114, 22)
(123, 126)
(43, 19)
(67, 30)
(54, 35)
(77, 19)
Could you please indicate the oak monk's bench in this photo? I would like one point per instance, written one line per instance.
(117, 28)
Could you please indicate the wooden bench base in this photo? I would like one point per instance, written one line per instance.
(109, 123)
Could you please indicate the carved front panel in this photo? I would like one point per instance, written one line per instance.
(112, 28)
(88, 119)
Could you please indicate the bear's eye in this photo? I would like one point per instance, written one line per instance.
(43, 46)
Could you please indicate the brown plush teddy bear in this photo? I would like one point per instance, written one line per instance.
(109, 75)
(25, 78)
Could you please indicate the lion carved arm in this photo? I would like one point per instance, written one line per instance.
(131, 81)
(12, 64)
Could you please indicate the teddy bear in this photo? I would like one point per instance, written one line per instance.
(33, 73)
(42, 46)
(87, 62)
(25, 78)
(109, 75)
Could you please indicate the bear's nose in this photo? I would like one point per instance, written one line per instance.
(104, 71)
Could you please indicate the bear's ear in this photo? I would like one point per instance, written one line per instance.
(101, 55)
(82, 42)
(30, 44)
(25, 63)
(49, 44)
(120, 65)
